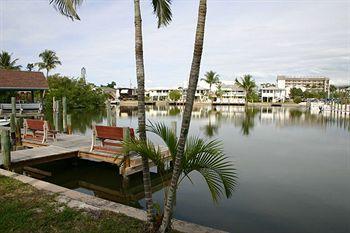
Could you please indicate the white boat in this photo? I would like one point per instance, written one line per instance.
(4, 122)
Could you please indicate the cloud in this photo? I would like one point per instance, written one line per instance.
(262, 38)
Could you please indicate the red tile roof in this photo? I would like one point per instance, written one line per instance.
(22, 80)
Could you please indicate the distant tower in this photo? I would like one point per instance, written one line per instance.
(83, 73)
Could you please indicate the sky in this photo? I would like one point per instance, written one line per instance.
(261, 38)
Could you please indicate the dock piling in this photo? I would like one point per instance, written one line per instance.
(13, 129)
(6, 147)
(64, 114)
(13, 105)
(109, 113)
(69, 123)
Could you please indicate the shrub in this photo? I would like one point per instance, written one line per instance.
(297, 99)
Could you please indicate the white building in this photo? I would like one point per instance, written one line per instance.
(231, 94)
(158, 94)
(305, 83)
(272, 94)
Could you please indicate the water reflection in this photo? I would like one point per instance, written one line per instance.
(102, 180)
(243, 118)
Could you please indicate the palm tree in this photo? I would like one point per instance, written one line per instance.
(248, 84)
(7, 63)
(161, 8)
(30, 66)
(205, 157)
(186, 118)
(49, 61)
(211, 78)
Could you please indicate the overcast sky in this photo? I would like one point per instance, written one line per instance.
(262, 38)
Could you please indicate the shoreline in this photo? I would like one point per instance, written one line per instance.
(134, 103)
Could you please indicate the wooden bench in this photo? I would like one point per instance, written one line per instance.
(40, 129)
(111, 138)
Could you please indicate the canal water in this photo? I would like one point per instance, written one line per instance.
(293, 169)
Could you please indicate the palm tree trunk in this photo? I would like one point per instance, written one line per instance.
(47, 73)
(192, 86)
(140, 73)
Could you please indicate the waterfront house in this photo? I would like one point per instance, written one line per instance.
(125, 93)
(231, 94)
(272, 94)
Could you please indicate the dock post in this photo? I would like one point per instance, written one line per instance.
(174, 127)
(109, 113)
(126, 136)
(64, 114)
(13, 105)
(6, 148)
(57, 111)
(69, 123)
(19, 123)
(13, 129)
(54, 104)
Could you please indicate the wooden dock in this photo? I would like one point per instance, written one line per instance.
(70, 146)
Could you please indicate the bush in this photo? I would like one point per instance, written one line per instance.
(297, 99)
(78, 92)
(175, 95)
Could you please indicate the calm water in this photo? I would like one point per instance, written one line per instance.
(293, 169)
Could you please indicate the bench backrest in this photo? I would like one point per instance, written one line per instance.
(35, 124)
(113, 133)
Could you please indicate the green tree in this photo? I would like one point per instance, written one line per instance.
(186, 118)
(211, 78)
(248, 84)
(175, 95)
(162, 10)
(297, 99)
(79, 93)
(205, 157)
(111, 85)
(49, 61)
(30, 66)
(332, 88)
(7, 63)
(294, 92)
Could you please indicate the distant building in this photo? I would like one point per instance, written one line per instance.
(158, 94)
(272, 94)
(231, 94)
(305, 83)
(125, 93)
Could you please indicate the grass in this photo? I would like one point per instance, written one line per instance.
(23, 208)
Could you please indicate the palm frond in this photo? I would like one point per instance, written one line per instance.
(67, 7)
(208, 158)
(161, 8)
(145, 149)
(166, 134)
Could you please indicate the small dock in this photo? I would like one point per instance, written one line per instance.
(75, 146)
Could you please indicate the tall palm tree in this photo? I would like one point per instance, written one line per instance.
(211, 78)
(49, 61)
(162, 10)
(30, 66)
(248, 84)
(7, 63)
(205, 157)
(186, 119)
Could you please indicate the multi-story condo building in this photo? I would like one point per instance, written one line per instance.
(305, 83)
